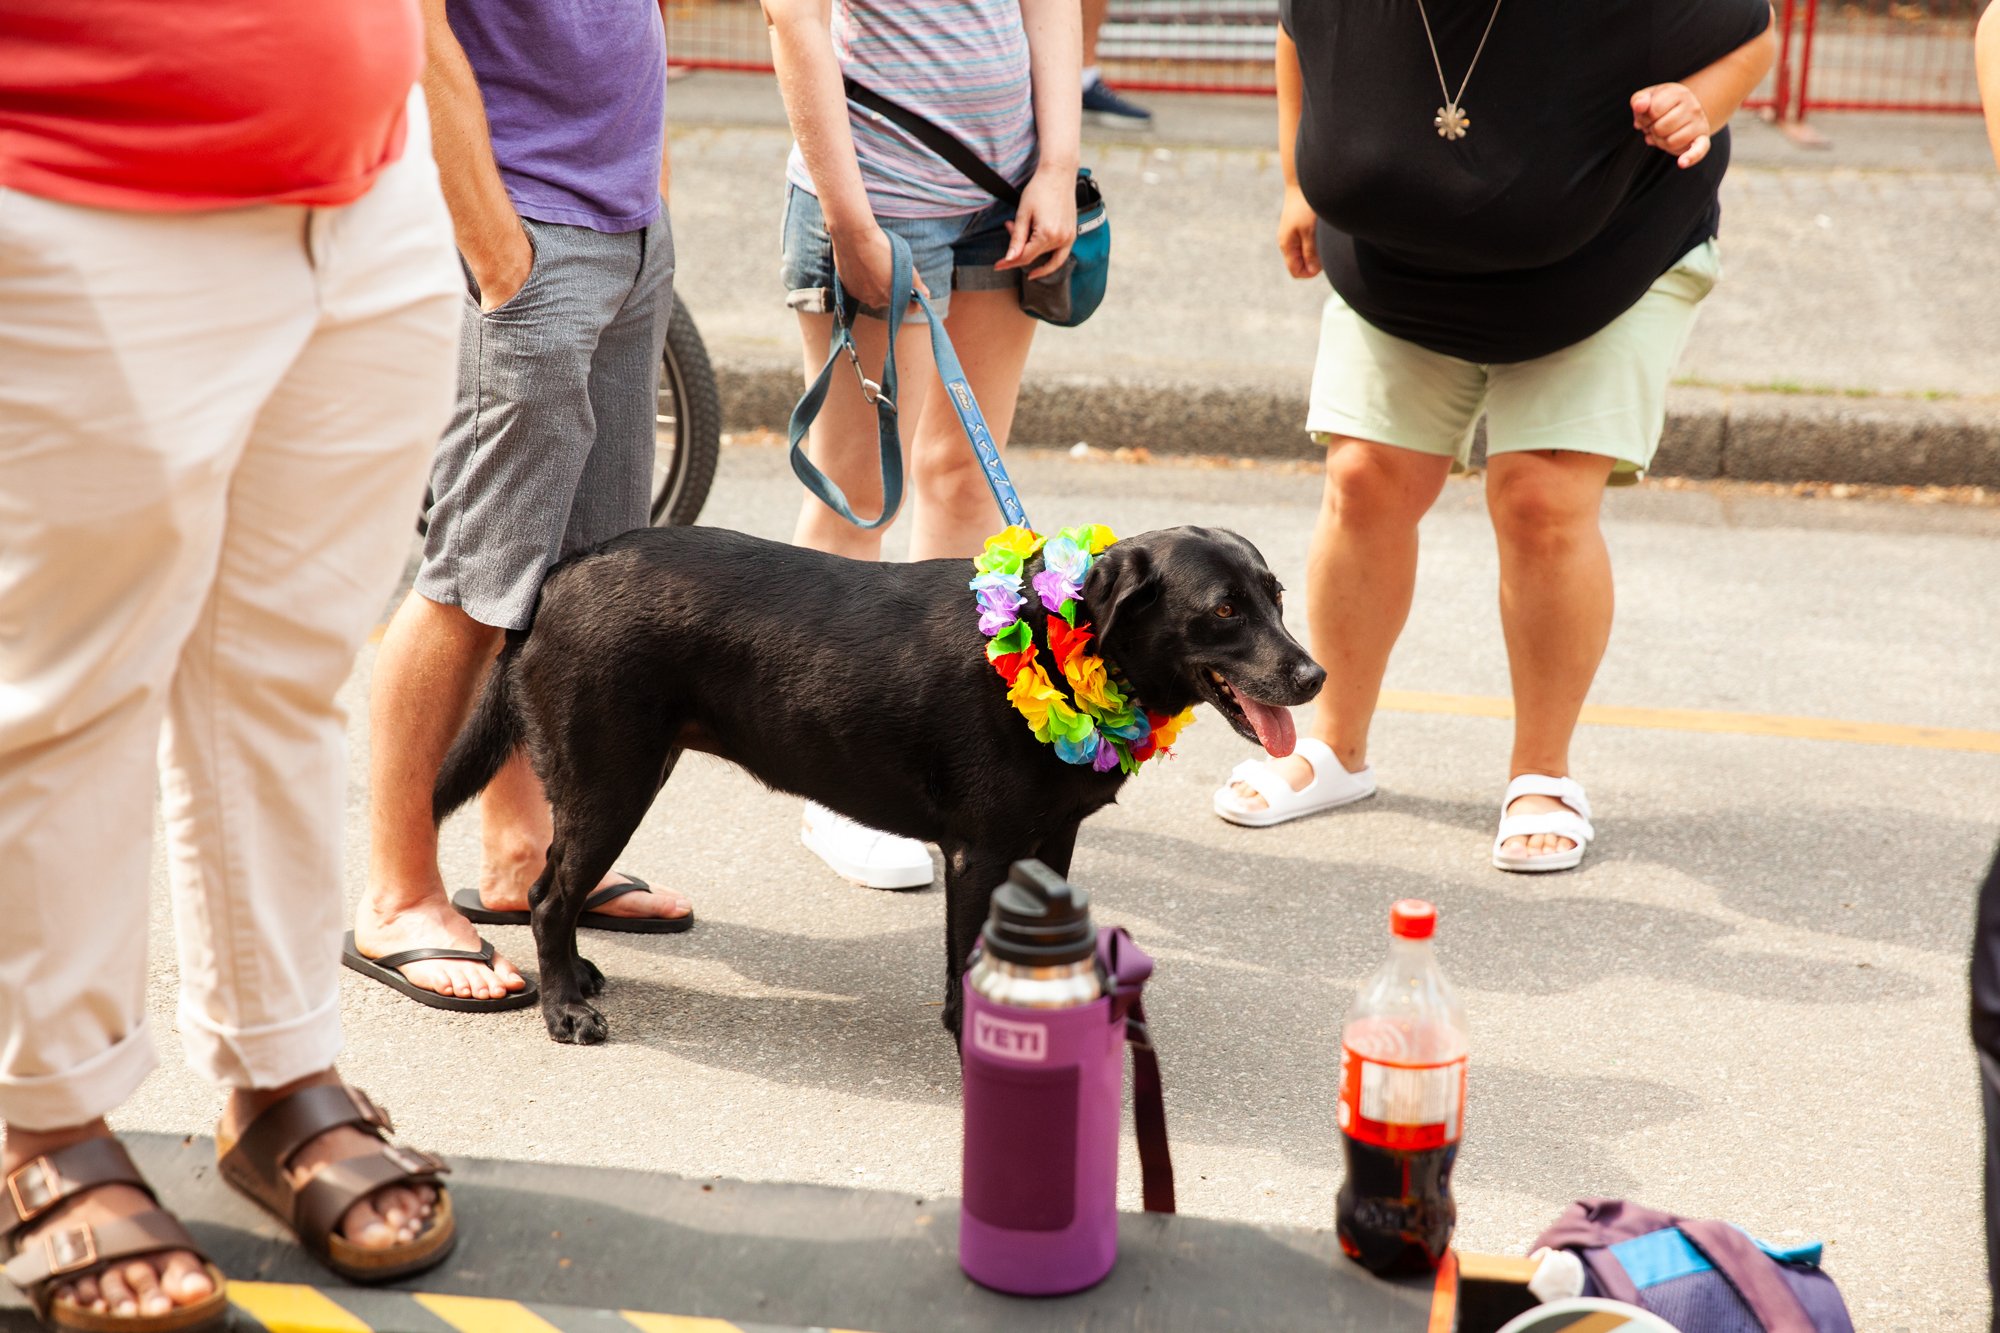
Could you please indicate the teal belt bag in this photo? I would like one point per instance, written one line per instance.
(1072, 293)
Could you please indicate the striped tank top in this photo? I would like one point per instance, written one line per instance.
(960, 64)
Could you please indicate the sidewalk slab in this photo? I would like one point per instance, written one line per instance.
(1853, 338)
(576, 1245)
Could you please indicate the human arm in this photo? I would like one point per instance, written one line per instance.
(1681, 118)
(1044, 226)
(1986, 53)
(1297, 226)
(816, 105)
(489, 232)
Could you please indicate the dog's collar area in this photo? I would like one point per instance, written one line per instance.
(1092, 718)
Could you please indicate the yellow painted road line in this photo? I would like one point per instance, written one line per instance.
(293, 1308)
(481, 1314)
(677, 1323)
(1714, 723)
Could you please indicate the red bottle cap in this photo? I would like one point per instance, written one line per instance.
(1413, 919)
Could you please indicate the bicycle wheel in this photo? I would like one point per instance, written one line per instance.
(689, 421)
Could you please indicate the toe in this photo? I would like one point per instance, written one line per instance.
(366, 1227)
(670, 903)
(504, 972)
(398, 1207)
(145, 1284)
(185, 1279)
(117, 1295)
(66, 1295)
(89, 1295)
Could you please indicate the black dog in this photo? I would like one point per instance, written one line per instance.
(859, 685)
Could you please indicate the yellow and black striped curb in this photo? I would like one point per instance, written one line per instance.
(283, 1307)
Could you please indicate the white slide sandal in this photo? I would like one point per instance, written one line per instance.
(1332, 786)
(1573, 823)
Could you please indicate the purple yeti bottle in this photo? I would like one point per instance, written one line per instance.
(1043, 1062)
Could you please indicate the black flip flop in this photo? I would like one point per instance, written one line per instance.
(385, 970)
(467, 903)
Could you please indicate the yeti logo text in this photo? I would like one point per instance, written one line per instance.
(1028, 1042)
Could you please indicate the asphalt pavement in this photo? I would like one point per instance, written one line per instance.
(1749, 1004)
(1853, 337)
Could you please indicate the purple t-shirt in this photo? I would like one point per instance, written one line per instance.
(576, 101)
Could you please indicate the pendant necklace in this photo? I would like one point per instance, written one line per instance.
(1451, 120)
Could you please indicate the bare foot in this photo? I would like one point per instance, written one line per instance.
(1536, 844)
(149, 1286)
(393, 1215)
(1294, 768)
(433, 923)
(504, 881)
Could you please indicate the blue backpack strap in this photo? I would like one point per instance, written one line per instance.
(902, 289)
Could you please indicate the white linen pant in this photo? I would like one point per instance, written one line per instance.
(214, 432)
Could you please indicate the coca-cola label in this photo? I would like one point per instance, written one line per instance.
(1400, 1106)
(1026, 1042)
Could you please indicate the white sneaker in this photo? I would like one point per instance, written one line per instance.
(869, 857)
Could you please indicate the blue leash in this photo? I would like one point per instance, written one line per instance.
(882, 396)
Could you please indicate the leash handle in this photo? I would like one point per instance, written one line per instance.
(902, 290)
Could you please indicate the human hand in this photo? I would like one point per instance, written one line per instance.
(866, 264)
(1673, 121)
(502, 271)
(1298, 238)
(1044, 226)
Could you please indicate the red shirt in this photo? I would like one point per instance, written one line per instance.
(164, 105)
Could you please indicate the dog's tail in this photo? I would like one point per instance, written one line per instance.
(488, 740)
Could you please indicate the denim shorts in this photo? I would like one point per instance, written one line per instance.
(954, 252)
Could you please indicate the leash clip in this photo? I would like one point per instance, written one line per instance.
(870, 390)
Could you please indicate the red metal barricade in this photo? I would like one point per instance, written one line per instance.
(1834, 55)
(1886, 55)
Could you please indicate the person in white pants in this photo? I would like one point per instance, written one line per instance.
(215, 424)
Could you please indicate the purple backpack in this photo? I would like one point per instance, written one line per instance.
(1701, 1277)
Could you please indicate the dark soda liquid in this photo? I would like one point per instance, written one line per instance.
(1395, 1212)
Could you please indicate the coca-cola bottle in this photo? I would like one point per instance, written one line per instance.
(1402, 1105)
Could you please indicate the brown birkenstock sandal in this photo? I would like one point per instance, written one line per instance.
(255, 1165)
(40, 1264)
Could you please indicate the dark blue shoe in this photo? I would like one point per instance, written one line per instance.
(1108, 108)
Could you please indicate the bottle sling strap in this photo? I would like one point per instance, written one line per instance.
(882, 396)
(1127, 966)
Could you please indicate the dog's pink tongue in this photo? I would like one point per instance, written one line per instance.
(1275, 730)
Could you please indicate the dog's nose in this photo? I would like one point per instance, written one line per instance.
(1307, 677)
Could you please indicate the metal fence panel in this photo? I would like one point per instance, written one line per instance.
(1888, 55)
(1881, 55)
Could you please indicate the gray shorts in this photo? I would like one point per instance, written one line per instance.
(550, 448)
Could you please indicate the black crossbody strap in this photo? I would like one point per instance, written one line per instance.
(942, 142)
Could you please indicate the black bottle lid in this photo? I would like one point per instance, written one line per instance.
(1039, 919)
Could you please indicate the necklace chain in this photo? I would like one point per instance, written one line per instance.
(1451, 121)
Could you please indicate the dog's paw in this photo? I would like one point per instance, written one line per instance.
(589, 978)
(576, 1024)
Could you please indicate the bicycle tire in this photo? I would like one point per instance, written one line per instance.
(684, 465)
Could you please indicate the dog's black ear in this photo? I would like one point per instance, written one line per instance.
(1121, 583)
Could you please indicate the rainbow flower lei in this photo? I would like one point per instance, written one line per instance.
(1095, 723)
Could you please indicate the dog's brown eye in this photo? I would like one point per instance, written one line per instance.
(1225, 610)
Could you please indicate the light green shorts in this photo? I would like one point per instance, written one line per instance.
(1605, 395)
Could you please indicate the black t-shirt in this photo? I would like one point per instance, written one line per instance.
(1552, 216)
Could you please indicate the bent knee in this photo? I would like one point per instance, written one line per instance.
(949, 474)
(1378, 484)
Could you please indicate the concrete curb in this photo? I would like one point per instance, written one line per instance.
(1710, 433)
